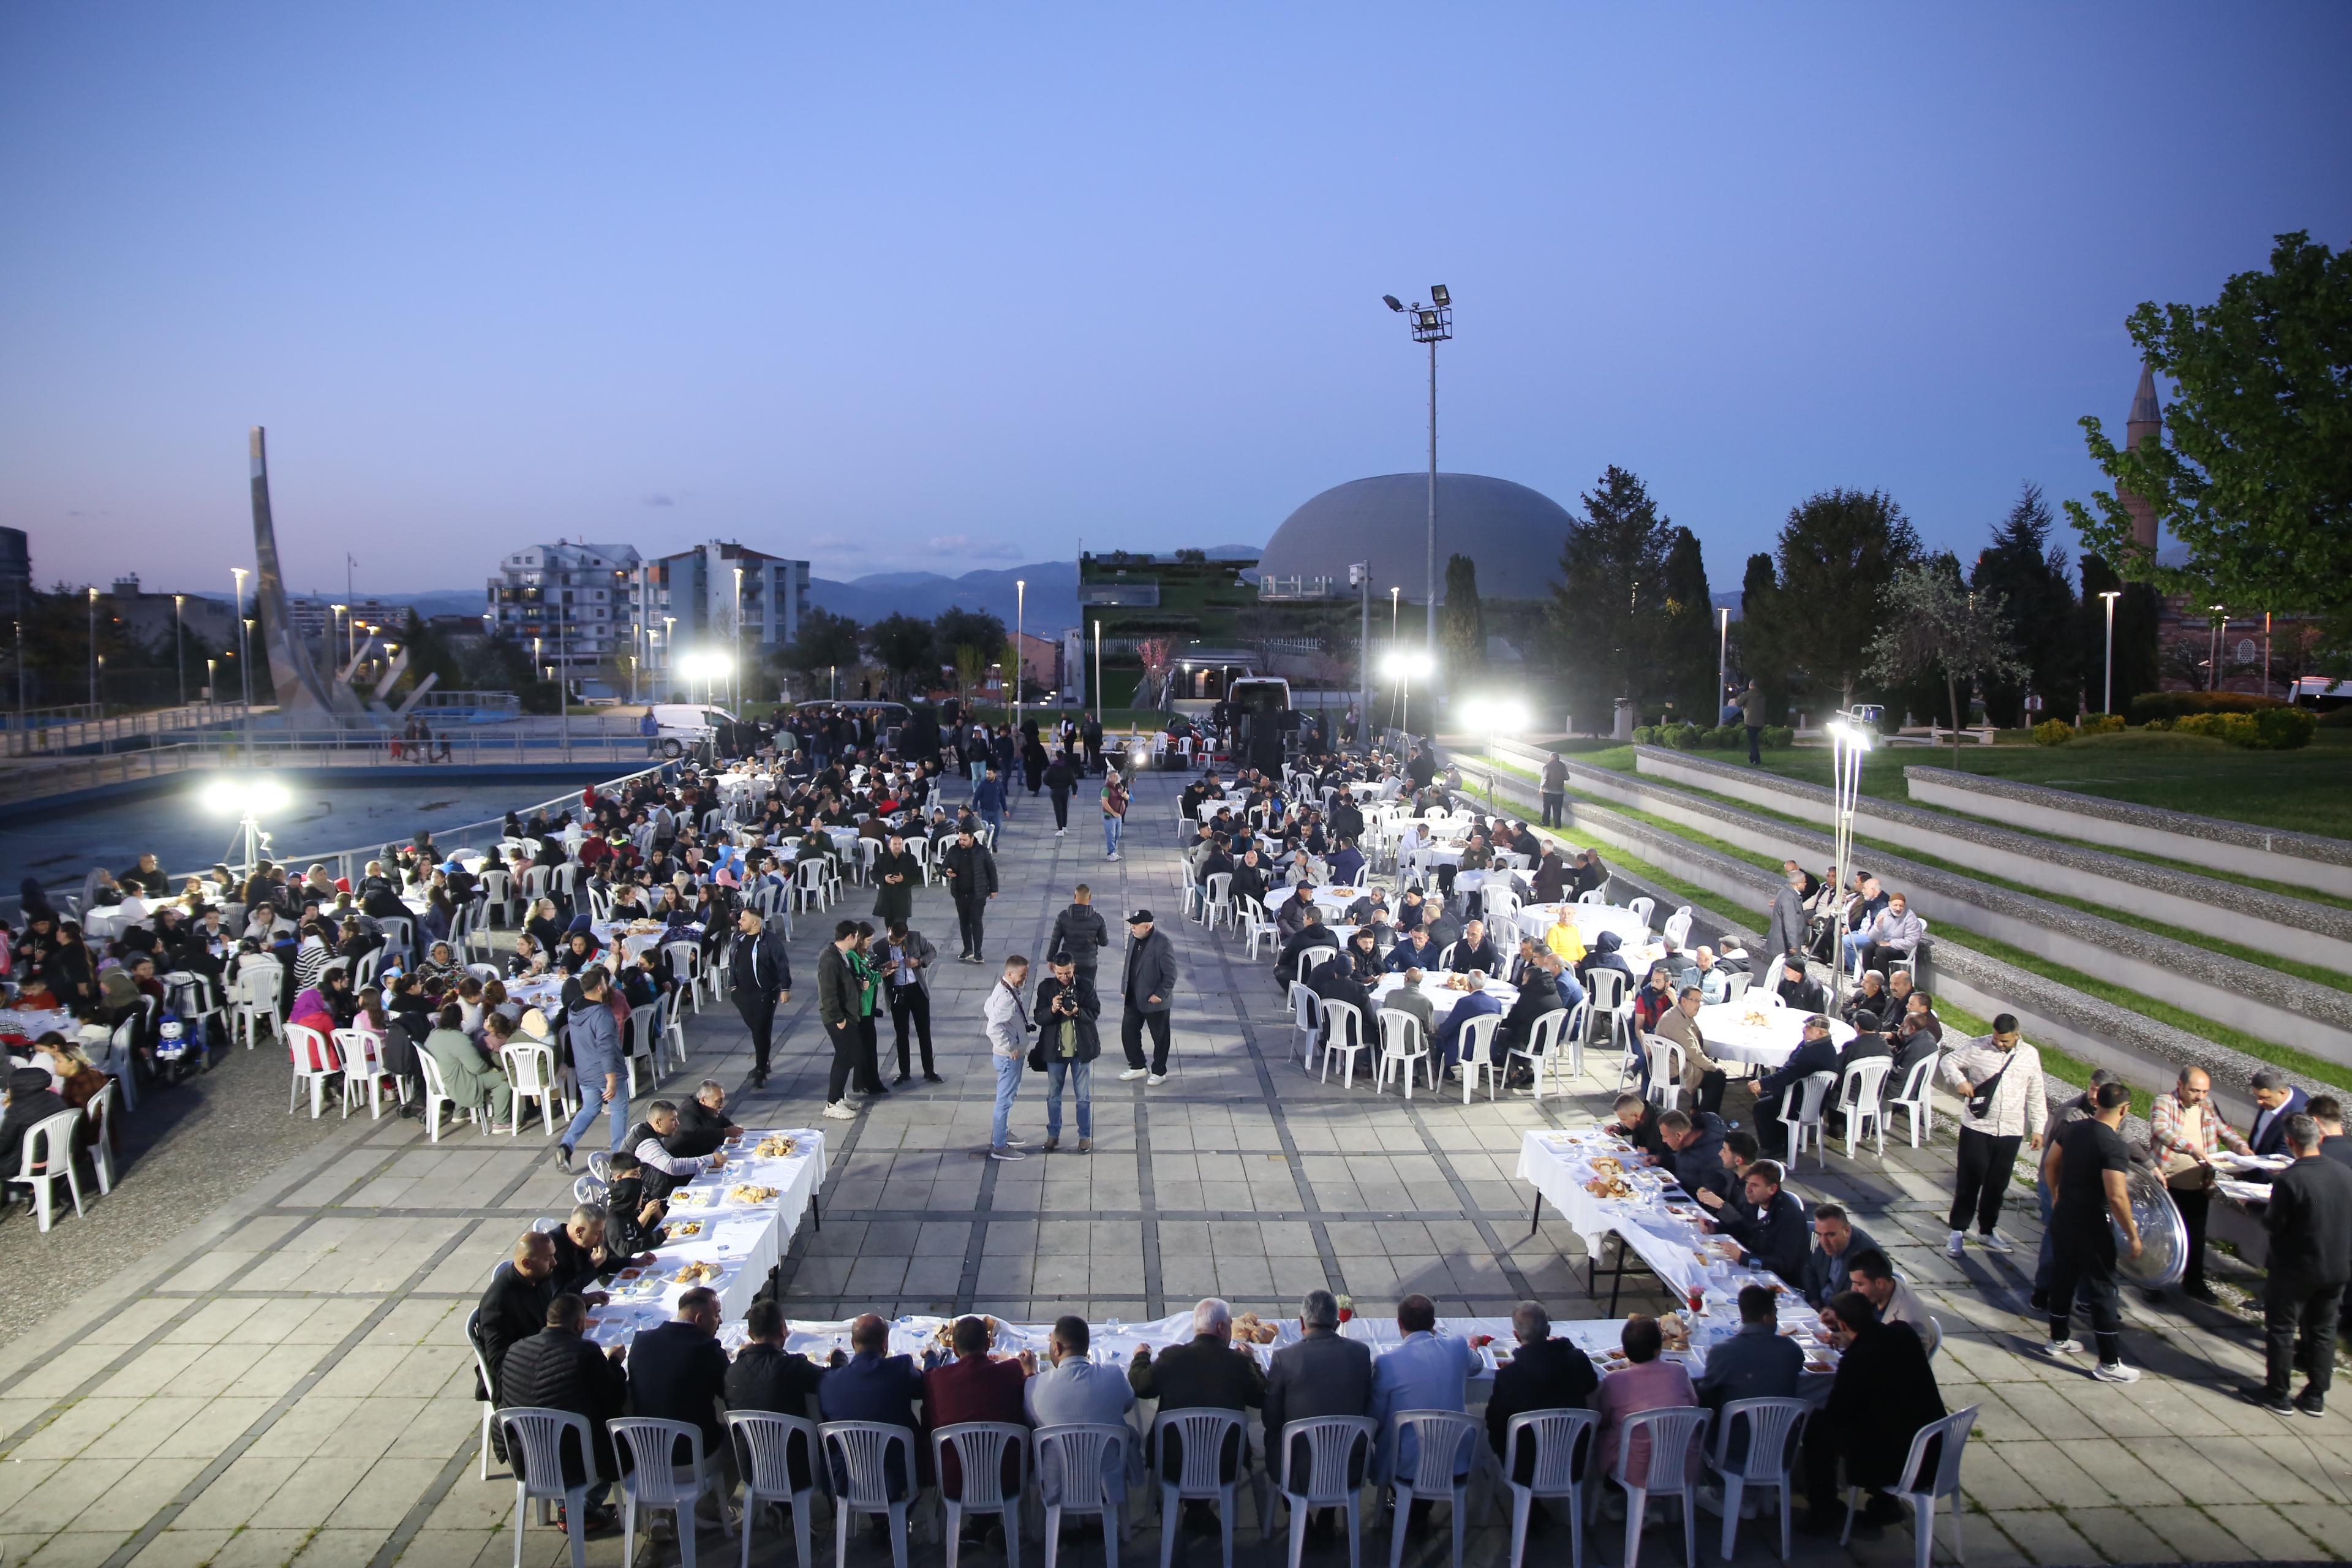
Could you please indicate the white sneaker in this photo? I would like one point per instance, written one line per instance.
(1059, 831)
(1015, 1139)
(2114, 1372)
(1111, 856)
(2055, 1348)
(840, 1111)
(1131, 1074)
(1155, 1080)
(1993, 1241)
(1954, 1242)
(1006, 1153)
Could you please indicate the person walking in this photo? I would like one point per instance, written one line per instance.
(1555, 793)
(836, 1009)
(1006, 1023)
(2003, 1104)
(2089, 1170)
(1079, 932)
(907, 959)
(1149, 980)
(897, 875)
(1113, 812)
(988, 799)
(759, 974)
(1068, 1042)
(970, 871)
(1751, 715)
(598, 1061)
(1061, 779)
(2309, 1219)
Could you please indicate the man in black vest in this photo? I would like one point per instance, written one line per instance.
(761, 976)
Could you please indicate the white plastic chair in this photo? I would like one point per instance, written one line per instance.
(1917, 1098)
(1544, 1048)
(811, 886)
(259, 984)
(1075, 1463)
(1800, 1113)
(657, 1481)
(1446, 1443)
(437, 1095)
(100, 1112)
(1641, 908)
(1605, 994)
(1404, 1048)
(1216, 895)
(1306, 1022)
(980, 1449)
(535, 1449)
(685, 961)
(1260, 928)
(1338, 1453)
(531, 1074)
(1563, 1455)
(1776, 1427)
(1924, 1491)
(489, 1386)
(1858, 1093)
(363, 1074)
(1200, 1435)
(121, 1056)
(668, 1027)
(1666, 1071)
(1477, 1039)
(1343, 1031)
(46, 1158)
(1736, 983)
(1677, 928)
(763, 1444)
(1675, 1432)
(305, 1044)
(861, 1450)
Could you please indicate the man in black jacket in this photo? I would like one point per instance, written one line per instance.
(1883, 1394)
(1829, 1266)
(1770, 1225)
(766, 1377)
(2310, 1223)
(677, 1372)
(580, 1257)
(1079, 932)
(760, 973)
(514, 1306)
(558, 1369)
(1209, 1372)
(702, 1124)
(31, 1101)
(1475, 953)
(970, 871)
(1543, 1374)
(1694, 1141)
(1146, 989)
(837, 1010)
(1814, 1053)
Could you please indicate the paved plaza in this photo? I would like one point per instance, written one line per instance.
(285, 1380)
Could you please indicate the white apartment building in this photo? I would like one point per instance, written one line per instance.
(579, 602)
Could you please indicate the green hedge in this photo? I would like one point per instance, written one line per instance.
(2274, 728)
(2052, 732)
(2151, 706)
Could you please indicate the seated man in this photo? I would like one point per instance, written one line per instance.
(766, 1377)
(677, 1372)
(1836, 1240)
(1816, 1052)
(874, 1385)
(1769, 1223)
(1298, 959)
(1073, 1390)
(1334, 979)
(1694, 1141)
(1758, 1363)
(558, 1369)
(1883, 1394)
(1477, 1004)
(1889, 934)
(1209, 1373)
(1423, 1370)
(1738, 1152)
(1474, 953)
(1412, 950)
(975, 1387)
(702, 1123)
(1320, 1374)
(1543, 1374)
(649, 1141)
(1637, 1123)
(581, 1259)
(1897, 1303)
(1794, 988)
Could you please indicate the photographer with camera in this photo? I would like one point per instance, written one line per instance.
(1068, 1044)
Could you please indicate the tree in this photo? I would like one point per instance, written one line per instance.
(1929, 620)
(905, 646)
(826, 638)
(1461, 621)
(955, 627)
(1605, 613)
(1836, 557)
(1753, 648)
(1687, 642)
(2253, 475)
(2137, 611)
(2030, 575)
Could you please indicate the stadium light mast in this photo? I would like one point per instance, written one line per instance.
(1432, 324)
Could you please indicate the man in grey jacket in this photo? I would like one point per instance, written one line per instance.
(598, 1060)
(1322, 1374)
(1786, 933)
(1150, 981)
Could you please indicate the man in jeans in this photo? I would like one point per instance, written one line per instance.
(1066, 1011)
(1113, 812)
(597, 1058)
(1007, 1026)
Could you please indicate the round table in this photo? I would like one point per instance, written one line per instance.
(1768, 1041)
(1442, 998)
(1335, 902)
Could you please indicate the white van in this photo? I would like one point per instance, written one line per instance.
(681, 726)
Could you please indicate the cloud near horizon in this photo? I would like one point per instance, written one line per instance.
(970, 549)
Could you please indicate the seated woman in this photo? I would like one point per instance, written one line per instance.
(527, 959)
(471, 1082)
(440, 974)
(325, 1006)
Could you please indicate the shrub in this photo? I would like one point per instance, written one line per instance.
(2335, 717)
(1682, 737)
(1777, 737)
(1730, 737)
(2103, 724)
(2284, 729)
(2150, 706)
(1645, 735)
(2052, 732)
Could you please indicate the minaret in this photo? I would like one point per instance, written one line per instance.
(2146, 425)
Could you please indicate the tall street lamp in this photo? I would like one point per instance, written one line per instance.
(1723, 662)
(93, 648)
(2107, 692)
(1402, 666)
(2213, 647)
(179, 652)
(1020, 619)
(1849, 742)
(244, 659)
(669, 681)
(739, 642)
(1432, 324)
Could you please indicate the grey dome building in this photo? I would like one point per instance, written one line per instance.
(1512, 532)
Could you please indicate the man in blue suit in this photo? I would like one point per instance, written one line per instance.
(2278, 1101)
(1426, 1371)
(1816, 1053)
(1477, 1004)
(874, 1385)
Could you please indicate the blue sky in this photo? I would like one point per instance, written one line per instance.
(949, 287)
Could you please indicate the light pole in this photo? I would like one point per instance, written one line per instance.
(1401, 666)
(1723, 662)
(1019, 619)
(669, 681)
(1432, 324)
(2107, 691)
(211, 700)
(340, 612)
(1360, 573)
(249, 796)
(93, 650)
(180, 653)
(2213, 647)
(739, 642)
(2266, 653)
(244, 660)
(563, 674)
(1098, 674)
(1849, 741)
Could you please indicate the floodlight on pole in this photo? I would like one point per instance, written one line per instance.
(244, 660)
(2107, 692)
(1723, 661)
(1431, 324)
(1850, 740)
(1019, 619)
(249, 796)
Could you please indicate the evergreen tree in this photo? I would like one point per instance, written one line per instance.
(1837, 555)
(1608, 612)
(1460, 620)
(2030, 575)
(1687, 641)
(1755, 654)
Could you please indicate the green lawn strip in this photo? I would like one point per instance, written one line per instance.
(2317, 974)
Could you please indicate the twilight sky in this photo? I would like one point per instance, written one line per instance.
(943, 287)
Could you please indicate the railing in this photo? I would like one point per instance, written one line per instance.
(37, 731)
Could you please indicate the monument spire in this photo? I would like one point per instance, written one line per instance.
(2145, 425)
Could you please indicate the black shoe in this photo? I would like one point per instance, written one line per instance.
(2276, 1404)
(759, 1078)
(930, 1077)
(564, 1157)
(1883, 1509)
(2310, 1404)
(2038, 1303)
(902, 1078)
(2201, 1292)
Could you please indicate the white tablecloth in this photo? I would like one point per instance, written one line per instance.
(1441, 998)
(745, 1241)
(616, 934)
(1659, 1224)
(107, 923)
(1749, 1031)
(1335, 901)
(34, 1022)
